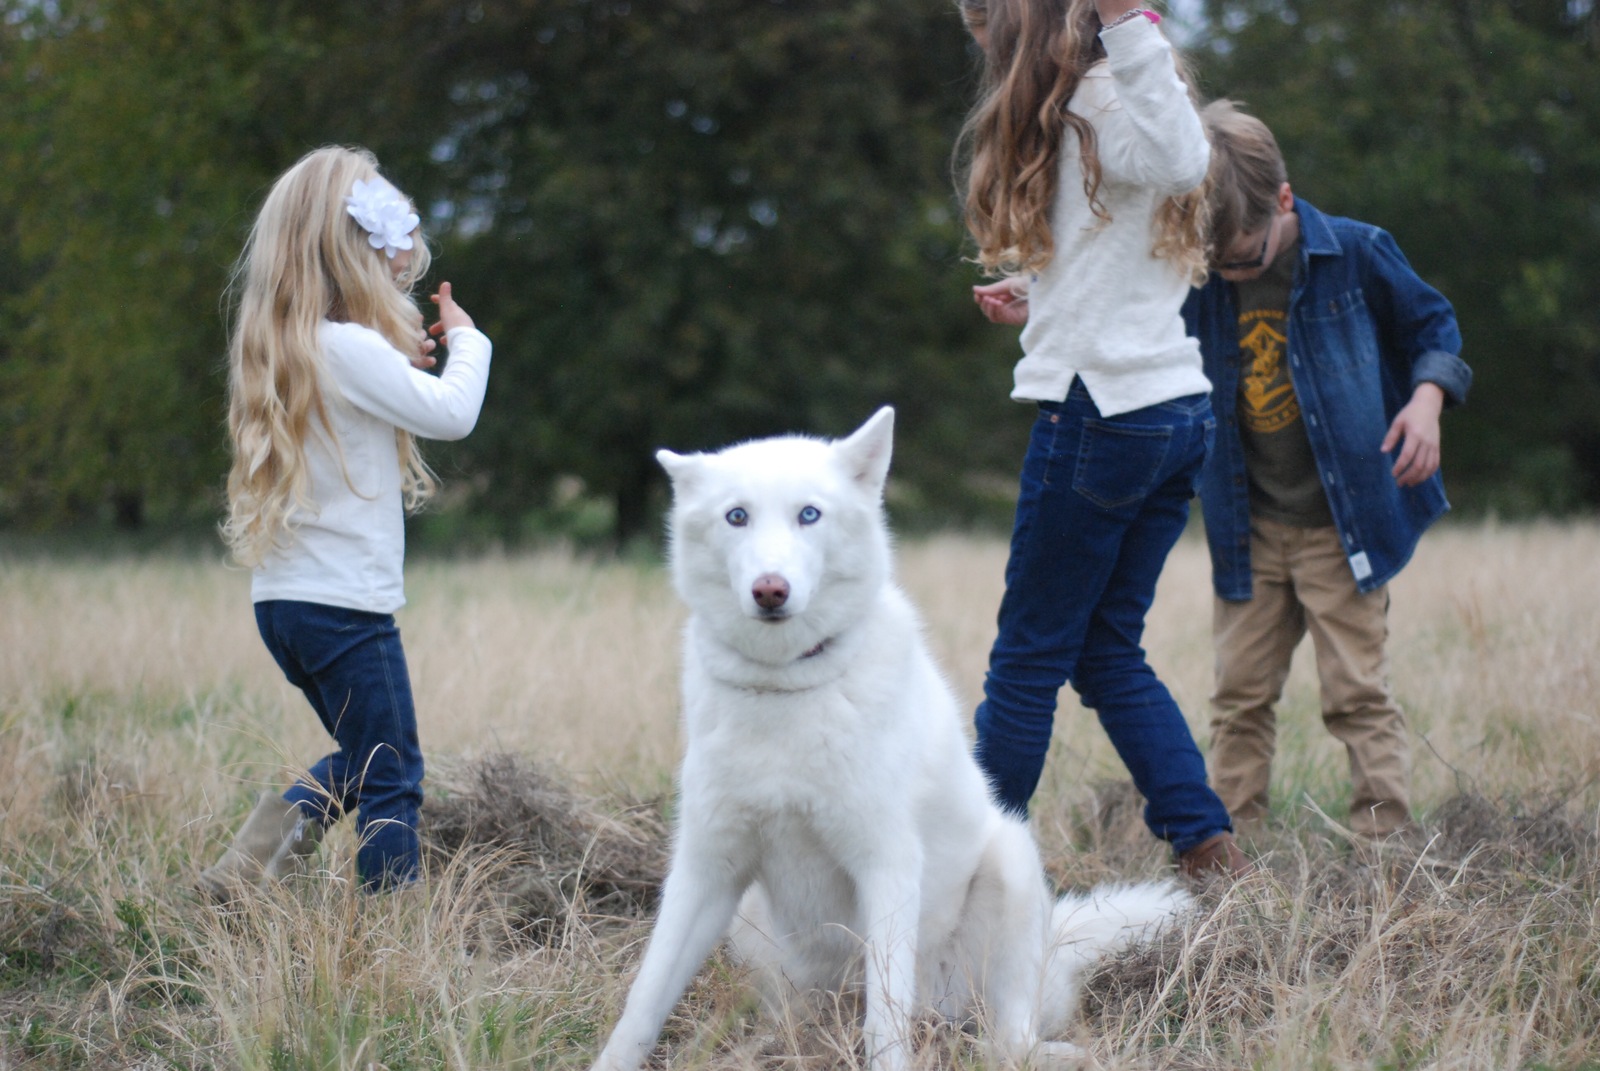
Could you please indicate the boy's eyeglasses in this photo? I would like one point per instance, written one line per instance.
(1250, 265)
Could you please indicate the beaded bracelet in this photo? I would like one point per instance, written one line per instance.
(1125, 16)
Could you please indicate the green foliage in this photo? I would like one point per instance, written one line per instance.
(683, 223)
(121, 213)
(1471, 131)
(167, 977)
(702, 220)
(693, 221)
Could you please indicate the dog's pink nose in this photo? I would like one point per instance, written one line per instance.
(770, 590)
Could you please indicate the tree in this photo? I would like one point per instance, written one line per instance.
(695, 221)
(684, 223)
(1471, 130)
(129, 167)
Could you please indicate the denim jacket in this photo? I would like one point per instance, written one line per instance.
(1364, 330)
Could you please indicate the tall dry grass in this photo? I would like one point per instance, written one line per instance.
(138, 711)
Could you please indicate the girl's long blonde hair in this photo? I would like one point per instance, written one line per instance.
(306, 261)
(1037, 53)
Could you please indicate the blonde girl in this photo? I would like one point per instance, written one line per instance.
(1084, 161)
(327, 397)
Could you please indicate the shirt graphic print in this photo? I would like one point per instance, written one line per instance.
(1278, 459)
(1266, 396)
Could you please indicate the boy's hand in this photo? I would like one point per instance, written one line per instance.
(1418, 425)
(1005, 301)
(451, 315)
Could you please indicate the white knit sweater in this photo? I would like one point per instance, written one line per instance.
(350, 552)
(1104, 308)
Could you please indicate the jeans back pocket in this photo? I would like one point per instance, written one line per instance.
(1119, 464)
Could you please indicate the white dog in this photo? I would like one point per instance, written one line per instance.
(832, 812)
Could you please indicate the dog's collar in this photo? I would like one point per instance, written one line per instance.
(750, 673)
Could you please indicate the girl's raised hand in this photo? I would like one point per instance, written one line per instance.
(451, 315)
(1005, 301)
(425, 358)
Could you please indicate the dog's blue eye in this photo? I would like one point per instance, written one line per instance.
(810, 515)
(738, 517)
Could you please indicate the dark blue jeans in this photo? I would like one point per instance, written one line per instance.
(1102, 503)
(351, 667)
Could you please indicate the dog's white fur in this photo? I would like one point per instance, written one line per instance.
(831, 810)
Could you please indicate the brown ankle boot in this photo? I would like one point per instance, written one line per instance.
(1216, 856)
(275, 841)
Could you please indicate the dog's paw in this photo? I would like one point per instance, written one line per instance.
(1059, 1056)
(1042, 1056)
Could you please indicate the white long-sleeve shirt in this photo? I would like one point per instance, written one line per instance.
(1105, 308)
(350, 552)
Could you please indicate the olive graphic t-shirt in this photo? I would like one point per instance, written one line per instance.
(1284, 485)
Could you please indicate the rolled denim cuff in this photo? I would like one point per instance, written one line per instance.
(1447, 371)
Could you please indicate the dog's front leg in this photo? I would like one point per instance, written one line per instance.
(891, 902)
(697, 905)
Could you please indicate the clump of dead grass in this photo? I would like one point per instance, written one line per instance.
(1542, 833)
(1476, 933)
(567, 856)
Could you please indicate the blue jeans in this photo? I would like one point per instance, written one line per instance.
(351, 667)
(1102, 503)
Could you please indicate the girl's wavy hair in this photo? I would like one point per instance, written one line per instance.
(306, 261)
(1037, 53)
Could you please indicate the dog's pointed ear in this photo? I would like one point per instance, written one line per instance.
(866, 452)
(680, 467)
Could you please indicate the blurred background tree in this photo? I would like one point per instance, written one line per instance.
(695, 221)
(686, 222)
(1470, 129)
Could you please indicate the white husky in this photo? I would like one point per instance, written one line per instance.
(831, 810)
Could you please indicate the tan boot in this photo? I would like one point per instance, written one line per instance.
(274, 842)
(1216, 856)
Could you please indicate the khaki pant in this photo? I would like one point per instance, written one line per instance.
(1302, 583)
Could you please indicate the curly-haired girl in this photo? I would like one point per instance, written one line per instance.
(1085, 162)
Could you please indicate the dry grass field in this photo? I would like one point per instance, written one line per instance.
(139, 712)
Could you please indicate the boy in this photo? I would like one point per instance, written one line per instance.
(1326, 353)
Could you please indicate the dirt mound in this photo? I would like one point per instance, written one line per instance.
(1540, 833)
(1426, 917)
(566, 855)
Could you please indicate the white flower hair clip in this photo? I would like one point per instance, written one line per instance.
(383, 213)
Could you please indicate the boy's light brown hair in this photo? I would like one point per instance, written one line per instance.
(1247, 170)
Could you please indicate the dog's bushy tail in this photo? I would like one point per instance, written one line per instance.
(1085, 926)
